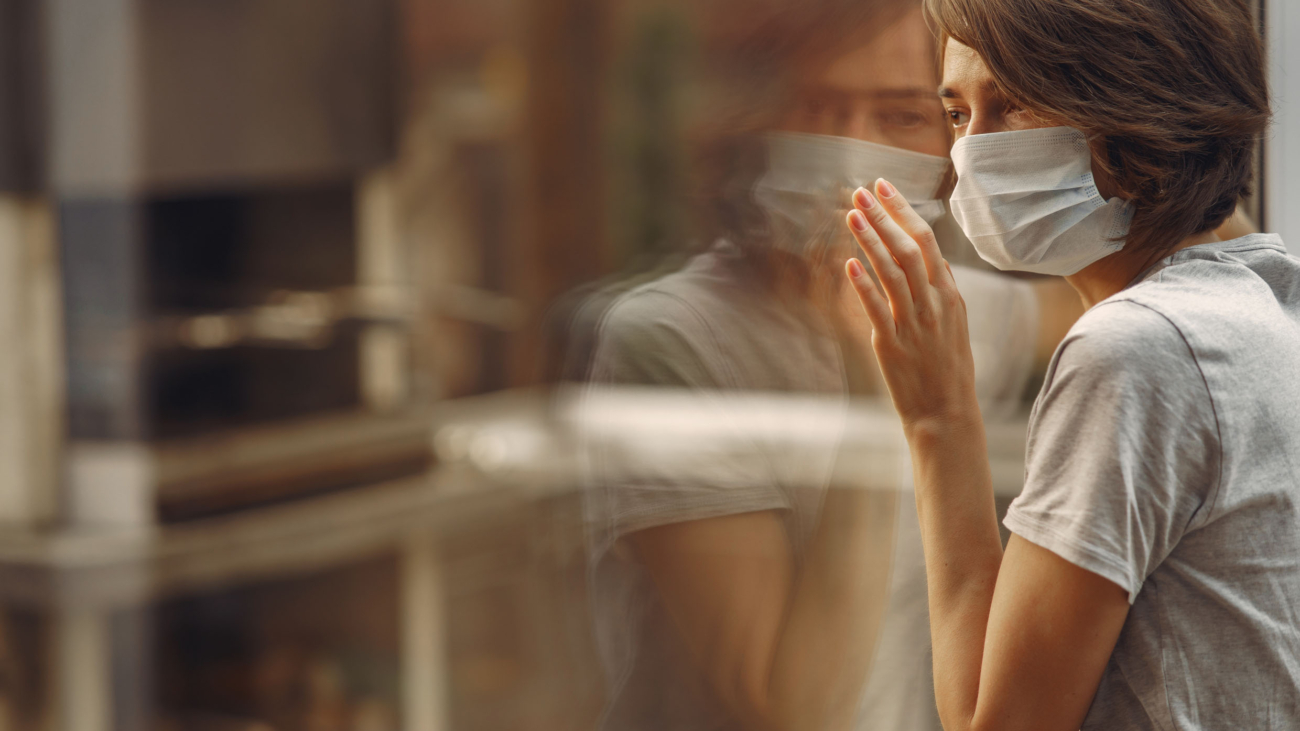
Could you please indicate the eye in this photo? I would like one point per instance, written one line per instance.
(907, 119)
(957, 117)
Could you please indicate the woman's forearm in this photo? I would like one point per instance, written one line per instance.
(782, 649)
(824, 653)
(954, 496)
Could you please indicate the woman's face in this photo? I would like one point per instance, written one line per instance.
(971, 99)
(882, 92)
(975, 107)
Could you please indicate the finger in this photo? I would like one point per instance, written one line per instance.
(901, 247)
(891, 276)
(875, 305)
(899, 209)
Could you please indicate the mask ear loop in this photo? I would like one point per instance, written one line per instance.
(1122, 212)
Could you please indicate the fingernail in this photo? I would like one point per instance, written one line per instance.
(855, 269)
(886, 190)
(857, 220)
(864, 199)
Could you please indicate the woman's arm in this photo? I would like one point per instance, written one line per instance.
(781, 650)
(1020, 641)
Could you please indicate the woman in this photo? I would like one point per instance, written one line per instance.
(1152, 578)
(731, 589)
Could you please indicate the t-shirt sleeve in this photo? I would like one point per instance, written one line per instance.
(1123, 447)
(652, 338)
(687, 456)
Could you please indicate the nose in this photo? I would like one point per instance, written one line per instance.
(860, 125)
(982, 124)
(856, 126)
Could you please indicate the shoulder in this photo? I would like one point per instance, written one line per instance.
(1123, 335)
(652, 317)
(685, 301)
(689, 309)
(1211, 288)
(658, 334)
(1123, 367)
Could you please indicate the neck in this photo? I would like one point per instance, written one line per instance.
(1107, 276)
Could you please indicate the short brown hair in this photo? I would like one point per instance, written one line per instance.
(1172, 92)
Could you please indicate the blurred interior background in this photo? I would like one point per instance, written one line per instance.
(285, 295)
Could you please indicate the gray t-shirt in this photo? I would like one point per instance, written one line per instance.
(718, 346)
(1164, 455)
(699, 335)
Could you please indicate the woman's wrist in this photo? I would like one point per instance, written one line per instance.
(947, 450)
(956, 425)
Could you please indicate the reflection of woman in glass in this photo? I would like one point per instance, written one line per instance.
(1152, 577)
(745, 595)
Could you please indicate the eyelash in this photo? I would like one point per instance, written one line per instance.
(955, 115)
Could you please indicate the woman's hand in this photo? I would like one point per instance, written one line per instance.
(919, 329)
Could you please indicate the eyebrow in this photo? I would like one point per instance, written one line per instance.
(903, 93)
(898, 92)
(988, 86)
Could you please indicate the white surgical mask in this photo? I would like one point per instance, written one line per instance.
(1028, 202)
(809, 177)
